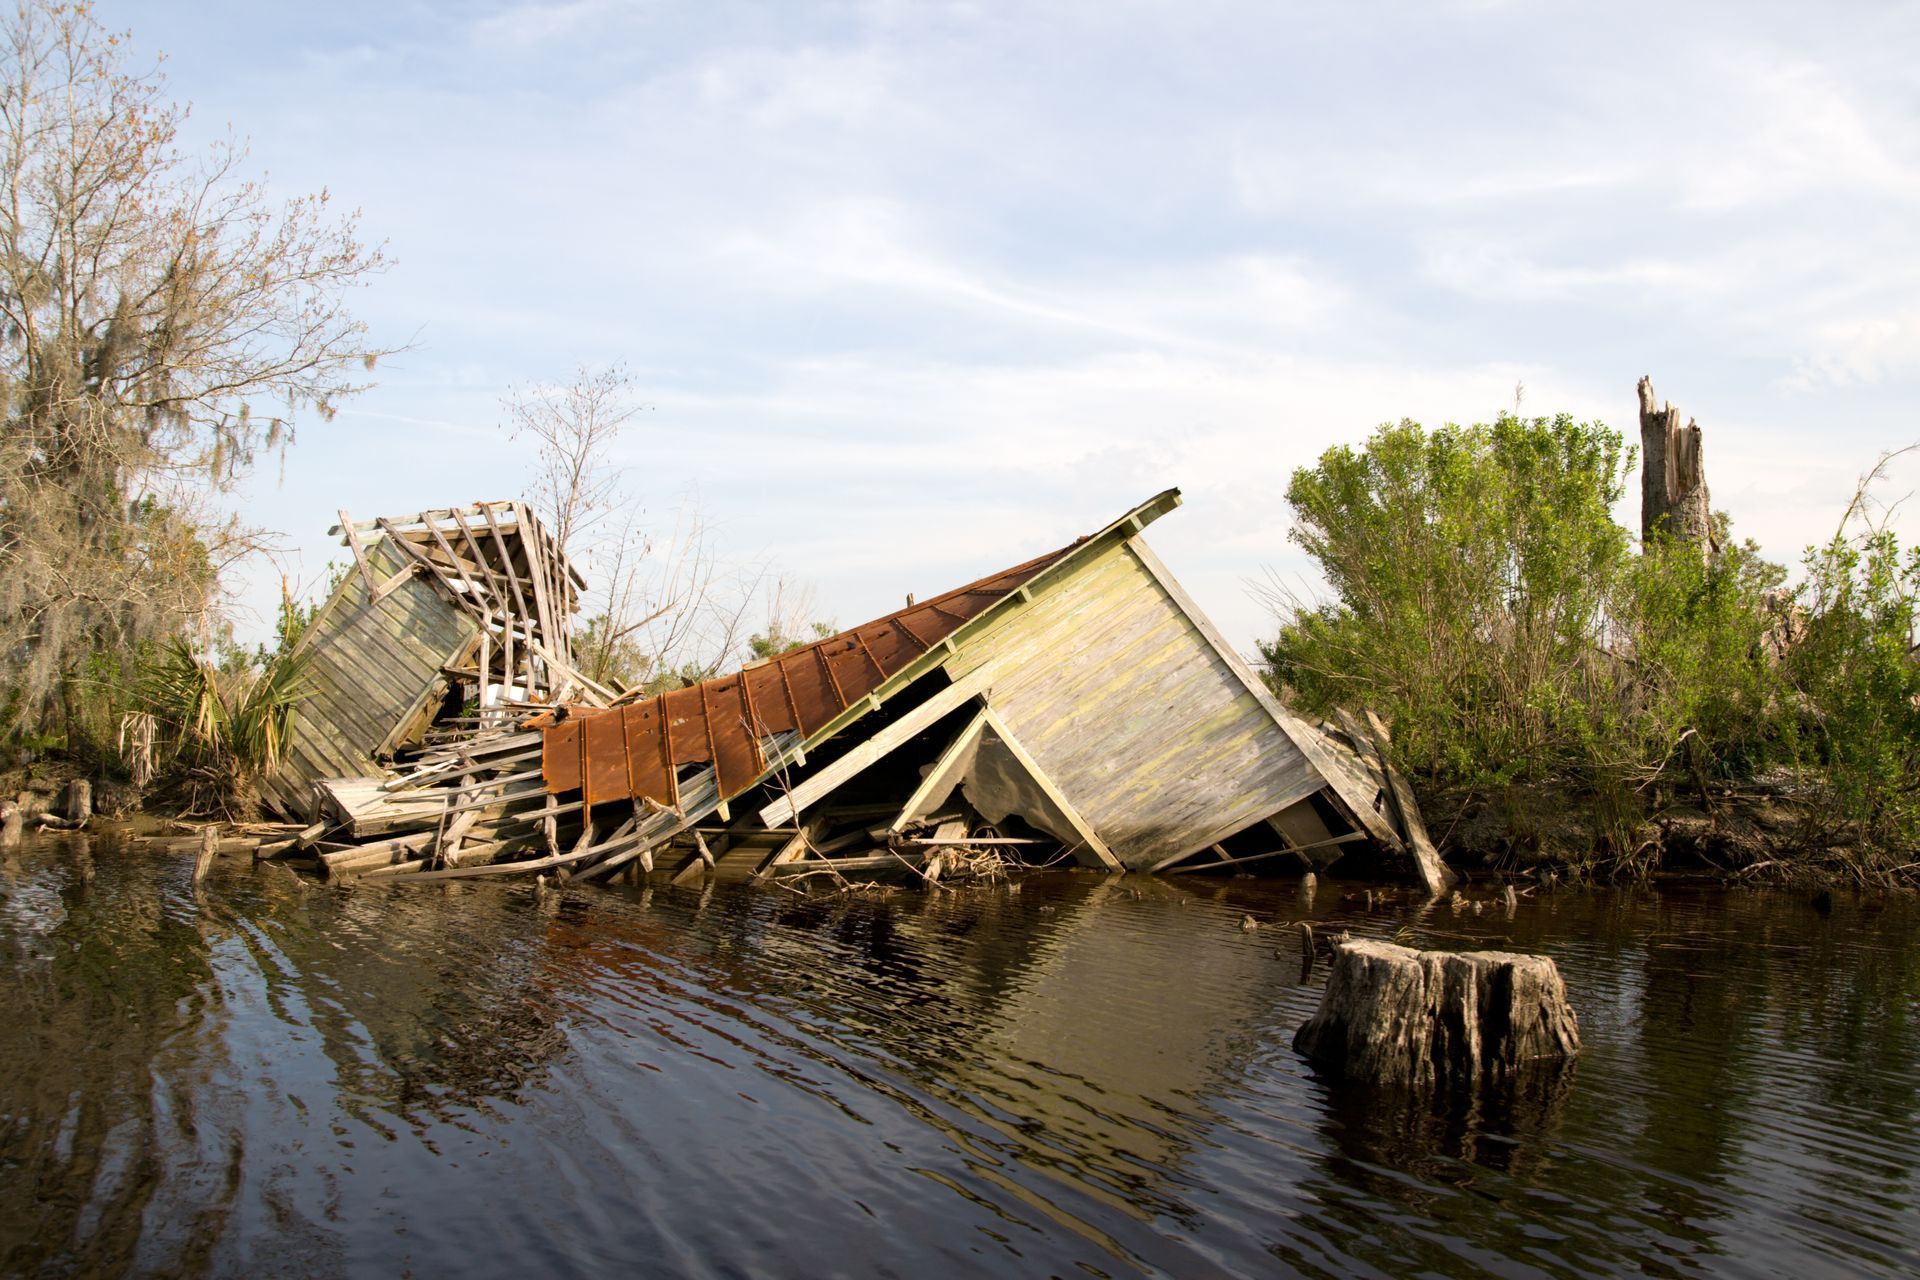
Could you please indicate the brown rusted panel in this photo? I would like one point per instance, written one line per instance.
(773, 708)
(813, 698)
(647, 771)
(606, 758)
(687, 726)
(736, 753)
(922, 626)
(725, 719)
(820, 654)
(973, 603)
(888, 646)
(907, 636)
(560, 756)
(853, 671)
(750, 720)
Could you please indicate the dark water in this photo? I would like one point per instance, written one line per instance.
(1087, 1076)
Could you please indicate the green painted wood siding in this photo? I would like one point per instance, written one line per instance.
(368, 668)
(1134, 715)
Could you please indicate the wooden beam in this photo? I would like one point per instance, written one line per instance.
(1090, 841)
(944, 776)
(530, 548)
(793, 850)
(500, 602)
(831, 777)
(513, 583)
(425, 562)
(561, 667)
(359, 553)
(393, 583)
(1348, 838)
(1435, 877)
(873, 862)
(444, 513)
(641, 849)
(453, 558)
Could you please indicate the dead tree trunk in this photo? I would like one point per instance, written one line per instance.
(1673, 478)
(1395, 1016)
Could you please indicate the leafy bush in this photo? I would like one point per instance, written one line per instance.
(1855, 678)
(1473, 569)
(1486, 601)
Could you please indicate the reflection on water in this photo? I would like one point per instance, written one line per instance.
(1085, 1074)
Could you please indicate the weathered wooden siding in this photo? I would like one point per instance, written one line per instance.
(367, 669)
(1132, 712)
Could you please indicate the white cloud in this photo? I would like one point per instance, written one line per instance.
(521, 27)
(781, 89)
(1493, 269)
(1231, 303)
(973, 279)
(1859, 352)
(1781, 128)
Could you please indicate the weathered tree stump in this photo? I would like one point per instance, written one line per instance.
(1395, 1016)
(79, 800)
(12, 820)
(209, 849)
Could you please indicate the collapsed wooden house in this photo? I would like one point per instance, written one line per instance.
(449, 625)
(1075, 707)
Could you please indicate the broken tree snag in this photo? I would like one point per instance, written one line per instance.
(1395, 1016)
(1673, 479)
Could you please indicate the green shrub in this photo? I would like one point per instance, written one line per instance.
(1856, 682)
(1487, 603)
(1473, 568)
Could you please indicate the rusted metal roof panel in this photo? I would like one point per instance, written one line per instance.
(634, 750)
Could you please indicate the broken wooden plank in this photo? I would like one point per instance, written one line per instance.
(1351, 837)
(1434, 874)
(793, 850)
(945, 774)
(832, 777)
(411, 876)
(359, 555)
(839, 866)
(1092, 850)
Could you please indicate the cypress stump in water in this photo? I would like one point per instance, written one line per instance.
(1395, 1016)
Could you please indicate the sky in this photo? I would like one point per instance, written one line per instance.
(914, 291)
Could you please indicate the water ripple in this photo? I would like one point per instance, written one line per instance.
(1089, 1075)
